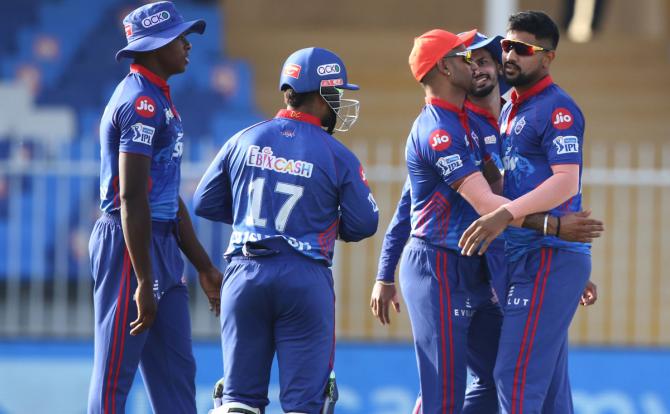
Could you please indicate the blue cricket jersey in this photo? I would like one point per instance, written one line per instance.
(441, 149)
(486, 125)
(540, 128)
(488, 129)
(141, 119)
(484, 130)
(286, 177)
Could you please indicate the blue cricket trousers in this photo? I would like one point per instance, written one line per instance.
(163, 353)
(497, 264)
(455, 326)
(531, 371)
(277, 300)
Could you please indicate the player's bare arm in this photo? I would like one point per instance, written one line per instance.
(574, 227)
(493, 176)
(210, 277)
(562, 185)
(136, 221)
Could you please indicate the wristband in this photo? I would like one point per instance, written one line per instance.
(546, 221)
(385, 283)
(558, 227)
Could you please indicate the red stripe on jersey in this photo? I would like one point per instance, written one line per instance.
(532, 335)
(438, 207)
(110, 367)
(443, 341)
(327, 238)
(126, 272)
(525, 333)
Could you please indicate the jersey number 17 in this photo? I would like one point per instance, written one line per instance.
(256, 190)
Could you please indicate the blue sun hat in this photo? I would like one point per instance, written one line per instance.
(492, 44)
(153, 26)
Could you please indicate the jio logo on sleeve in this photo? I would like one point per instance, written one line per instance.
(440, 140)
(561, 118)
(145, 106)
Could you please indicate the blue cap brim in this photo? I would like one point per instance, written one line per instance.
(492, 44)
(350, 86)
(160, 39)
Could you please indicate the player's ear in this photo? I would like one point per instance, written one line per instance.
(548, 58)
(442, 67)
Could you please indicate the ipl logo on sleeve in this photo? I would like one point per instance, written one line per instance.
(143, 134)
(566, 145)
(449, 164)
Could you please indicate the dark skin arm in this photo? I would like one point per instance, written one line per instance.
(493, 177)
(209, 276)
(134, 172)
(574, 227)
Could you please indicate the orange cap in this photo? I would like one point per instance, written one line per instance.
(432, 46)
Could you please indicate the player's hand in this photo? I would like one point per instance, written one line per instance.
(590, 294)
(579, 227)
(210, 282)
(146, 308)
(382, 296)
(483, 231)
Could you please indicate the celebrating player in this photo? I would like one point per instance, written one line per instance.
(543, 132)
(444, 290)
(289, 189)
(439, 221)
(135, 245)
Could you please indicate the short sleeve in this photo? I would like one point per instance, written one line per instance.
(564, 134)
(448, 151)
(139, 120)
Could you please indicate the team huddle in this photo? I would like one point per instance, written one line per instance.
(490, 232)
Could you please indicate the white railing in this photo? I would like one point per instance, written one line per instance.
(48, 204)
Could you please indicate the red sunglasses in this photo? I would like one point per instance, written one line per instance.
(521, 48)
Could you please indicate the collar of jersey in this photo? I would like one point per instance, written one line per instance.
(460, 112)
(298, 116)
(481, 111)
(152, 77)
(541, 85)
(443, 104)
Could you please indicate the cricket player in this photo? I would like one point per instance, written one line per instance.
(140, 295)
(483, 107)
(289, 189)
(443, 290)
(484, 327)
(543, 134)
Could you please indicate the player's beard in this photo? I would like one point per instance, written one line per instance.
(520, 79)
(482, 92)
